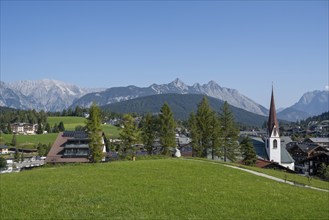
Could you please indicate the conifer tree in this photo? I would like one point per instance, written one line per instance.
(248, 152)
(40, 129)
(167, 129)
(94, 130)
(129, 135)
(14, 140)
(201, 127)
(47, 128)
(215, 136)
(149, 128)
(61, 126)
(195, 135)
(229, 134)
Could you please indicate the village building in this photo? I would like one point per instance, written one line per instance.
(71, 147)
(4, 150)
(323, 142)
(24, 128)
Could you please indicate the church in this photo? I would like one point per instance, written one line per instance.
(271, 151)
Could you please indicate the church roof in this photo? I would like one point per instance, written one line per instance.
(259, 146)
(272, 119)
(285, 156)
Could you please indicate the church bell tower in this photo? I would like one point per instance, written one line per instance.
(273, 141)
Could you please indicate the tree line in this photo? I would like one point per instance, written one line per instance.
(211, 133)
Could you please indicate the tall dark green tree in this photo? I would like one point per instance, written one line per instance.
(40, 128)
(61, 126)
(195, 135)
(201, 128)
(229, 134)
(129, 135)
(215, 136)
(148, 131)
(248, 152)
(167, 129)
(14, 140)
(47, 128)
(3, 163)
(94, 130)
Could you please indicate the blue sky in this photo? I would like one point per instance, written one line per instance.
(245, 45)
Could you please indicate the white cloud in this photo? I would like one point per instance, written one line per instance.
(326, 87)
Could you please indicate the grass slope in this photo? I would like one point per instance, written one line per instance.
(154, 189)
(29, 141)
(71, 122)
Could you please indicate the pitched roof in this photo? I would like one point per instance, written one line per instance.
(319, 140)
(285, 156)
(272, 119)
(259, 147)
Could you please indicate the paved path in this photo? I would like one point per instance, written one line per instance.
(264, 175)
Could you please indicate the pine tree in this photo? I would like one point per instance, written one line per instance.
(195, 135)
(149, 128)
(167, 129)
(129, 135)
(95, 134)
(14, 140)
(248, 152)
(61, 126)
(47, 128)
(3, 163)
(229, 134)
(40, 129)
(215, 136)
(201, 128)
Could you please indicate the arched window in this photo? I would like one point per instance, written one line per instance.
(275, 144)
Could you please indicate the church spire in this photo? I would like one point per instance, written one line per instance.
(272, 120)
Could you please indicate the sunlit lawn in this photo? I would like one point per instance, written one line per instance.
(154, 189)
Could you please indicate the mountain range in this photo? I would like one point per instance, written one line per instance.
(53, 95)
(46, 94)
(212, 89)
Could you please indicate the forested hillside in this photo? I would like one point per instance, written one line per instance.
(182, 106)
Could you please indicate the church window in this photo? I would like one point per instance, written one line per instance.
(275, 144)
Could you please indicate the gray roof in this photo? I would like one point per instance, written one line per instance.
(285, 139)
(319, 140)
(259, 146)
(285, 156)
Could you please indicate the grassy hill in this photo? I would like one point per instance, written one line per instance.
(154, 189)
(182, 106)
(30, 141)
(71, 122)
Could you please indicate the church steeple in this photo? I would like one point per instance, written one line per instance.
(272, 119)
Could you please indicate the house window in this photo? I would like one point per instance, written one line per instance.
(275, 144)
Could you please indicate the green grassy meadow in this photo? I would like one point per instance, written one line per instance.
(71, 122)
(154, 189)
(29, 141)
